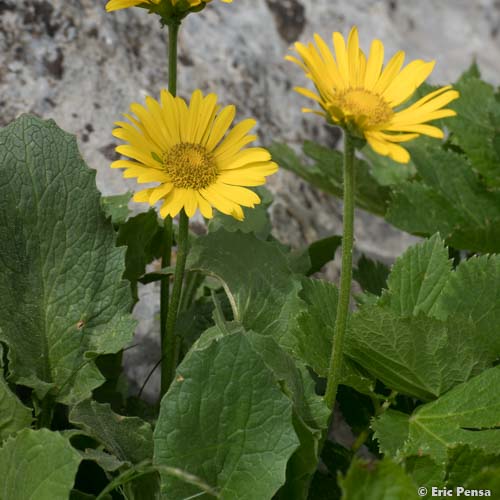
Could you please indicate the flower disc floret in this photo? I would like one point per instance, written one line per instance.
(192, 155)
(364, 97)
(190, 166)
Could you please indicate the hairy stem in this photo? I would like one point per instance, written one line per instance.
(335, 366)
(173, 32)
(169, 362)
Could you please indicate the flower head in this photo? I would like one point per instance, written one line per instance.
(185, 149)
(363, 97)
(183, 4)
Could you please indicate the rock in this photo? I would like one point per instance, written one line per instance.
(71, 61)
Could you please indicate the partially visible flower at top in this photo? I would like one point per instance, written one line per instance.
(183, 5)
(186, 150)
(364, 98)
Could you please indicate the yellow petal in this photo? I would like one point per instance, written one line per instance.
(408, 80)
(341, 57)
(389, 72)
(374, 64)
(220, 126)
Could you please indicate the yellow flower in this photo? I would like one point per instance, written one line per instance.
(185, 150)
(125, 4)
(363, 97)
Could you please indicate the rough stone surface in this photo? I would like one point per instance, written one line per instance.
(69, 60)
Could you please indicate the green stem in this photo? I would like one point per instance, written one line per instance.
(169, 362)
(173, 33)
(46, 413)
(335, 368)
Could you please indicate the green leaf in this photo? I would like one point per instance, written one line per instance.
(225, 420)
(321, 252)
(37, 464)
(457, 202)
(60, 279)
(310, 415)
(384, 480)
(472, 291)
(371, 275)
(418, 356)
(475, 127)
(140, 235)
(314, 334)
(316, 324)
(468, 415)
(116, 207)
(464, 463)
(106, 461)
(391, 431)
(256, 220)
(14, 416)
(326, 174)
(418, 277)
(130, 439)
(425, 471)
(410, 340)
(257, 277)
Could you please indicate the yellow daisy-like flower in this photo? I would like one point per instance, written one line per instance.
(362, 96)
(186, 150)
(125, 4)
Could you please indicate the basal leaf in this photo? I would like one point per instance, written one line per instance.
(467, 415)
(261, 286)
(60, 277)
(225, 420)
(14, 416)
(130, 439)
(37, 465)
(384, 480)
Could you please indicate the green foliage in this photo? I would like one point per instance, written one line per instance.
(399, 340)
(37, 464)
(384, 480)
(246, 457)
(257, 276)
(14, 416)
(59, 262)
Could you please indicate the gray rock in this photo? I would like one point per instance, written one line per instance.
(70, 61)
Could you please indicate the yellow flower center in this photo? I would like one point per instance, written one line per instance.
(190, 166)
(362, 108)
